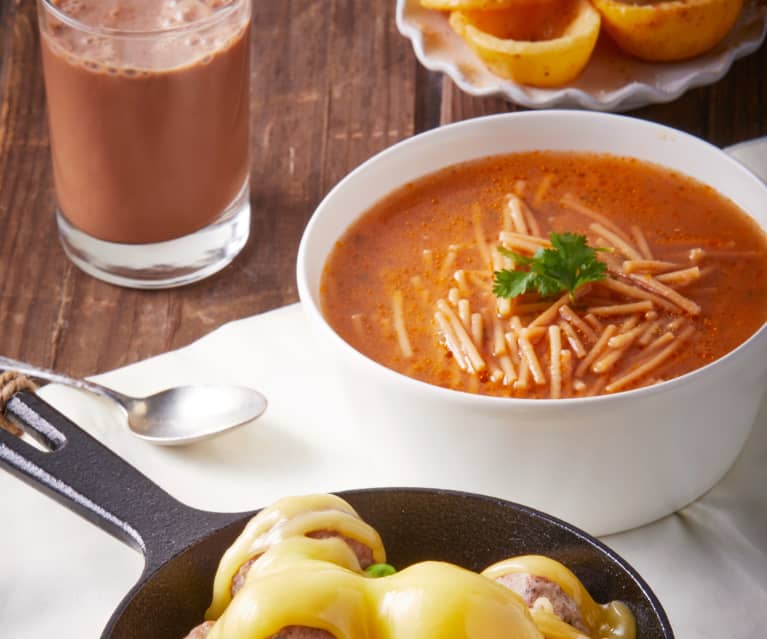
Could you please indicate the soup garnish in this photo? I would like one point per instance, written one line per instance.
(548, 275)
(570, 264)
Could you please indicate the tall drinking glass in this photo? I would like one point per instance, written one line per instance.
(148, 105)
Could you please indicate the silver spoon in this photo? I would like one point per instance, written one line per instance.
(172, 417)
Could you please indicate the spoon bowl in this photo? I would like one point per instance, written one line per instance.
(186, 414)
(174, 416)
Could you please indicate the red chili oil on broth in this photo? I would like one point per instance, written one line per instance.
(409, 284)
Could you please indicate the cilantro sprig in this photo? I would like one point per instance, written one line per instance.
(567, 266)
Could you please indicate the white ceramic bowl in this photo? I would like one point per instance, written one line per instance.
(605, 463)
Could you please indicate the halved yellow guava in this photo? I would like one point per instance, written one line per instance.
(542, 45)
(668, 31)
(471, 5)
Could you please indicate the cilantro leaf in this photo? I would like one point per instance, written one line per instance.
(567, 266)
(513, 283)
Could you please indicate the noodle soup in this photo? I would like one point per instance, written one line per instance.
(411, 283)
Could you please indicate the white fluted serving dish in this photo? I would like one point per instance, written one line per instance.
(612, 81)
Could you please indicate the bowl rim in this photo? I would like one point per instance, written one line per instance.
(53, 11)
(454, 395)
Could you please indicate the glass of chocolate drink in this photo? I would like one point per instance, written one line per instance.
(148, 104)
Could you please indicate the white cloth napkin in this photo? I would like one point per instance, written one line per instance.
(60, 576)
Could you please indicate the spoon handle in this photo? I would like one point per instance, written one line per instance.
(52, 376)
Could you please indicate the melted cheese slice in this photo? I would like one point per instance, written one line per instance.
(318, 583)
(609, 621)
(430, 600)
(287, 518)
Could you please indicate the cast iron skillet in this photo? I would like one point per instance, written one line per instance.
(182, 545)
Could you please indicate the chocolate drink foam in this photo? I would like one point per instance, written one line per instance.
(149, 130)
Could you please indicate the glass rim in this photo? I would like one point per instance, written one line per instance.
(207, 21)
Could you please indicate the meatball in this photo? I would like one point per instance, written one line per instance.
(531, 588)
(238, 581)
(289, 632)
(302, 632)
(364, 556)
(201, 631)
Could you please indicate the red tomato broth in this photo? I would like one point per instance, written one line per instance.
(383, 250)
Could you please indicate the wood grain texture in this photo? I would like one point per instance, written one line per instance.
(333, 83)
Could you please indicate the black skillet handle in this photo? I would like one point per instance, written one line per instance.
(92, 481)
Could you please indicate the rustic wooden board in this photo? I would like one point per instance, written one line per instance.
(333, 83)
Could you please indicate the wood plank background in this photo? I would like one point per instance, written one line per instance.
(333, 83)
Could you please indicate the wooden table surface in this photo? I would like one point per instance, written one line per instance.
(333, 83)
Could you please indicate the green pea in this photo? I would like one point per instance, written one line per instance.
(379, 570)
